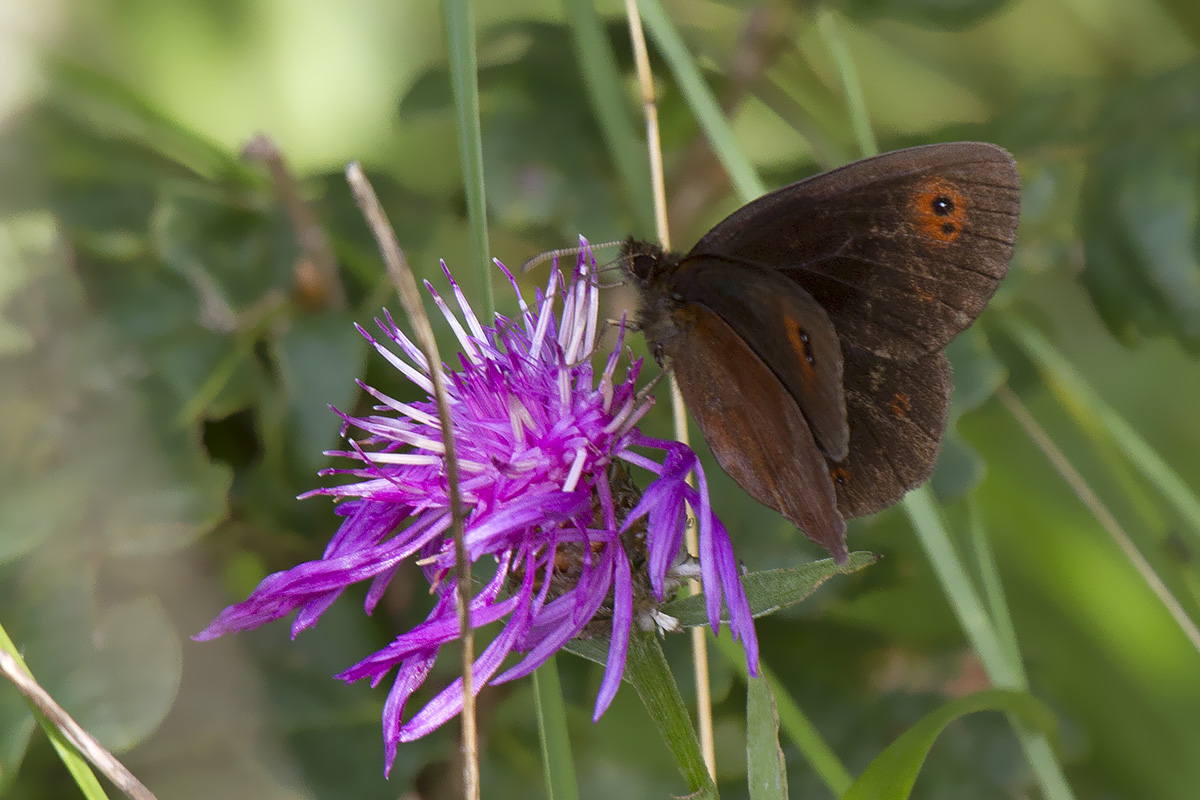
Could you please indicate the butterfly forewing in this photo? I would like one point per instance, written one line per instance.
(902, 250)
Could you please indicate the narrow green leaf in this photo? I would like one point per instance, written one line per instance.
(856, 105)
(773, 589)
(796, 724)
(558, 762)
(1001, 666)
(891, 775)
(84, 778)
(765, 766)
(460, 44)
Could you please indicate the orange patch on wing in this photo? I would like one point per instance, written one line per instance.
(801, 345)
(938, 209)
(840, 475)
(900, 405)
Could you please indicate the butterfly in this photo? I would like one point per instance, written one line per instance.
(806, 329)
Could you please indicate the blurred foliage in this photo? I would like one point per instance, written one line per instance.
(166, 361)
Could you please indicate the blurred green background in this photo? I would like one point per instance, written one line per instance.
(167, 352)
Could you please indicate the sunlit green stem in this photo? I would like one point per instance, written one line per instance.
(460, 42)
(1004, 670)
(1086, 405)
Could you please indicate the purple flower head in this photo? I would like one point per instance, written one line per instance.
(547, 451)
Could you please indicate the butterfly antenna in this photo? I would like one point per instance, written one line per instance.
(563, 251)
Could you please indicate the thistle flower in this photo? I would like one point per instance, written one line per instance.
(547, 451)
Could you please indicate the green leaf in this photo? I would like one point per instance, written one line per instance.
(773, 589)
(16, 724)
(959, 468)
(977, 371)
(319, 357)
(1140, 210)
(891, 775)
(766, 768)
(231, 253)
(558, 762)
(933, 14)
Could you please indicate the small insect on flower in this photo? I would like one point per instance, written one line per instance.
(548, 453)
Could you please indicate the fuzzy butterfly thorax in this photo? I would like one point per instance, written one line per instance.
(806, 329)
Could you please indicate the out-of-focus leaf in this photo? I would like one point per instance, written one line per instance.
(773, 589)
(891, 775)
(977, 371)
(934, 14)
(103, 103)
(1140, 216)
(319, 357)
(230, 255)
(977, 375)
(115, 669)
(537, 168)
(959, 468)
(766, 769)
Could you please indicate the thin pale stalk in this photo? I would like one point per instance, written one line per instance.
(701, 101)
(410, 298)
(70, 740)
(1086, 405)
(704, 719)
(558, 763)
(856, 104)
(460, 46)
(973, 617)
(1096, 506)
(795, 723)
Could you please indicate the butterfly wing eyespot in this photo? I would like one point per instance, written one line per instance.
(938, 210)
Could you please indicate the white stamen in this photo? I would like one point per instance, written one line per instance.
(576, 470)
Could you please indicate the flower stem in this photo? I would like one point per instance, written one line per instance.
(646, 668)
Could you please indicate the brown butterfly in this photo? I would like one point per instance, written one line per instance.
(806, 329)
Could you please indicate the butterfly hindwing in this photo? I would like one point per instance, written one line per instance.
(787, 329)
(753, 425)
(897, 413)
